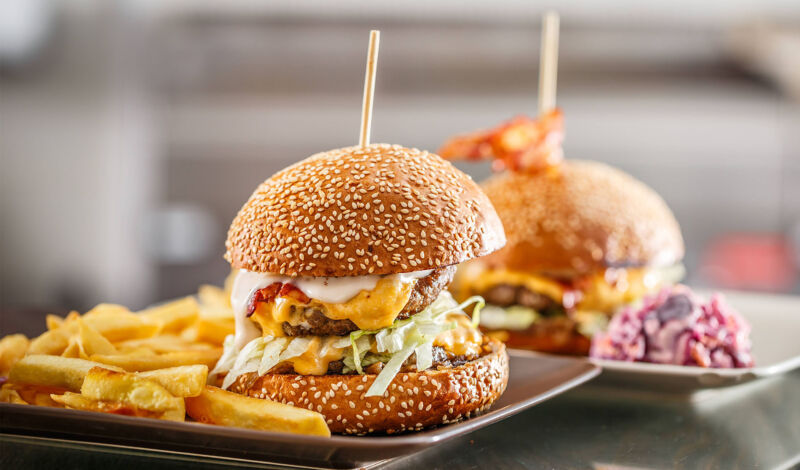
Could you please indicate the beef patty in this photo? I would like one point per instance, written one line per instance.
(506, 295)
(426, 290)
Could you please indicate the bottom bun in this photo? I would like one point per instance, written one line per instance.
(552, 335)
(414, 400)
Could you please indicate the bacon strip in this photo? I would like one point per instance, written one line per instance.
(274, 290)
(520, 144)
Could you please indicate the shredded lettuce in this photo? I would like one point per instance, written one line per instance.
(272, 353)
(424, 354)
(391, 369)
(248, 360)
(510, 318)
(359, 345)
(415, 335)
(392, 345)
(366, 360)
(296, 347)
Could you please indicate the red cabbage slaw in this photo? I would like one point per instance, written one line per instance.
(675, 327)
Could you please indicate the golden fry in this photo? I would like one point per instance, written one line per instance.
(53, 322)
(161, 344)
(130, 363)
(107, 385)
(106, 309)
(9, 395)
(138, 351)
(52, 371)
(76, 401)
(91, 342)
(50, 342)
(12, 349)
(217, 406)
(214, 297)
(35, 394)
(183, 381)
(214, 330)
(190, 335)
(120, 326)
(174, 316)
(73, 349)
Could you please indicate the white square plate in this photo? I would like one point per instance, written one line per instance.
(775, 322)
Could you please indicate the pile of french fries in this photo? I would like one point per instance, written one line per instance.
(152, 364)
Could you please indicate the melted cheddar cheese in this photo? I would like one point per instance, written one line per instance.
(320, 353)
(602, 291)
(463, 340)
(369, 310)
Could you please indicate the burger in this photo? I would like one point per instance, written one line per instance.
(342, 262)
(584, 240)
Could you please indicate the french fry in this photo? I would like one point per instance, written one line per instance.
(12, 349)
(162, 344)
(190, 334)
(52, 371)
(132, 363)
(91, 342)
(214, 330)
(35, 394)
(73, 348)
(117, 325)
(106, 385)
(217, 406)
(52, 342)
(106, 309)
(70, 323)
(9, 395)
(140, 351)
(174, 316)
(175, 414)
(183, 381)
(214, 302)
(53, 322)
(76, 401)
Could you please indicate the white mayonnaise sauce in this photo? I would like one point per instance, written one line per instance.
(335, 290)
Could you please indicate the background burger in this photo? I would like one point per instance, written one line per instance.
(340, 300)
(584, 239)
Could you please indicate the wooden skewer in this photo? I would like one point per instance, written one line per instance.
(369, 87)
(548, 63)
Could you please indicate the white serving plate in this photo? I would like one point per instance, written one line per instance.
(775, 322)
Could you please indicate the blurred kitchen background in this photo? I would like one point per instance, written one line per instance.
(132, 131)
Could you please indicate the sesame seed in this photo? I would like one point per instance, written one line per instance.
(343, 202)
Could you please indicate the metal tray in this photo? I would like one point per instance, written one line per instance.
(533, 380)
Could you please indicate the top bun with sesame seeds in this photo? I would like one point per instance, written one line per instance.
(355, 211)
(581, 217)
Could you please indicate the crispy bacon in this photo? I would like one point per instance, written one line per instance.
(276, 289)
(521, 144)
(290, 290)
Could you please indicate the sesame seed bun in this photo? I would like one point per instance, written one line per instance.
(580, 217)
(380, 209)
(413, 401)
